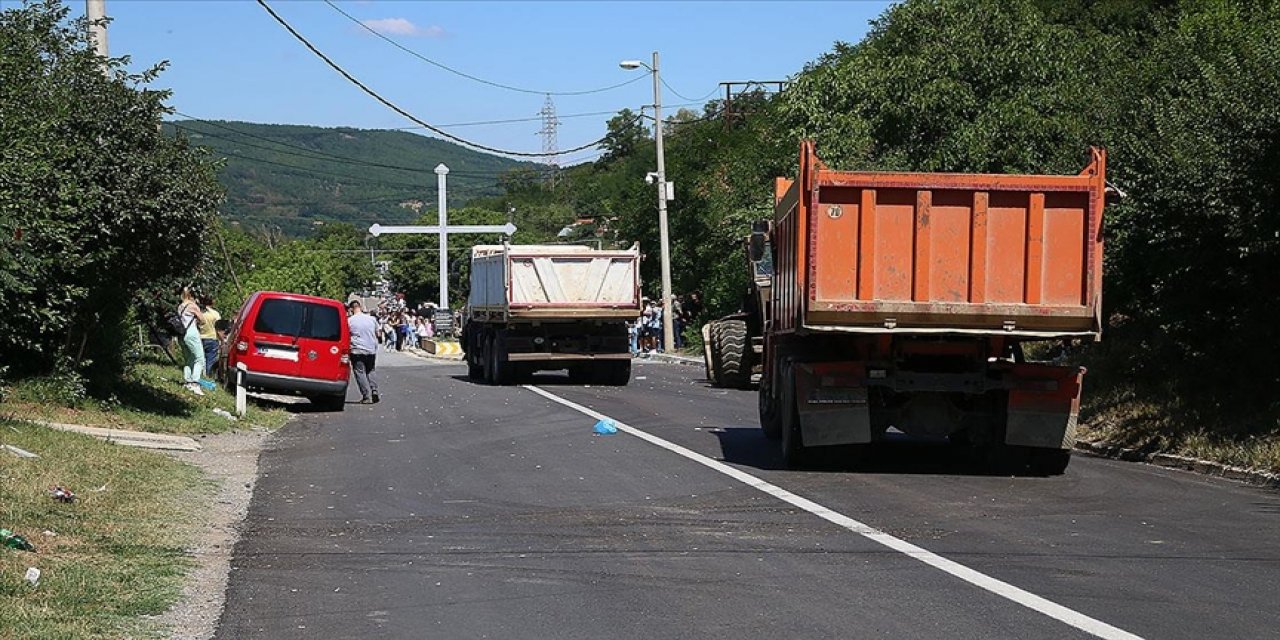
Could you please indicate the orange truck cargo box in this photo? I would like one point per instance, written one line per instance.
(986, 254)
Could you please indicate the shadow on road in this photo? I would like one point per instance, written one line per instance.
(747, 446)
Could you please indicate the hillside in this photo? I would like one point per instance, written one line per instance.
(292, 176)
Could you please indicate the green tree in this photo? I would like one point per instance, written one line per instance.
(96, 204)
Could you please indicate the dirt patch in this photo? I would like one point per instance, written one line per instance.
(231, 461)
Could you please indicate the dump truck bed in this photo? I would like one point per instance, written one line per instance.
(934, 252)
(553, 282)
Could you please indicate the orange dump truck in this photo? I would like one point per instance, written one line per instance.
(901, 301)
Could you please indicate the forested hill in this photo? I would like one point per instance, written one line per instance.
(291, 176)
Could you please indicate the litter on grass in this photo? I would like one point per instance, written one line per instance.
(226, 414)
(21, 453)
(62, 494)
(606, 427)
(33, 576)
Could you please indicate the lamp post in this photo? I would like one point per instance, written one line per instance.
(668, 324)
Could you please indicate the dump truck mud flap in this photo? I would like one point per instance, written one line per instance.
(831, 398)
(1044, 405)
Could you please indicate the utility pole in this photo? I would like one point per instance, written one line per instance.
(668, 323)
(96, 12)
(442, 206)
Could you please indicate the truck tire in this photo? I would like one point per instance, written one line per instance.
(735, 354)
(500, 373)
(474, 371)
(617, 373)
(1049, 462)
(770, 421)
(794, 454)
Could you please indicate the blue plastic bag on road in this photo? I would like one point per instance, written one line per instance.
(606, 427)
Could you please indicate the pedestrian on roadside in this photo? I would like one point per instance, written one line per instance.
(677, 321)
(192, 348)
(364, 350)
(660, 337)
(209, 332)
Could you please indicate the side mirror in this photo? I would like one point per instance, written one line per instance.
(756, 246)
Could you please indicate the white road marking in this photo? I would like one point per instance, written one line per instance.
(1003, 589)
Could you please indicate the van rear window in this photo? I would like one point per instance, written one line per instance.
(299, 319)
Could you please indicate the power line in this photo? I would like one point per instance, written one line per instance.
(390, 105)
(469, 76)
(684, 97)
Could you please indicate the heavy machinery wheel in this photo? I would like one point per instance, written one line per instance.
(770, 421)
(706, 351)
(713, 354)
(794, 454)
(735, 356)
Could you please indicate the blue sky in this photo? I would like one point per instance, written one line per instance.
(230, 60)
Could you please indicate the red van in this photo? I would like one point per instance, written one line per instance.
(291, 343)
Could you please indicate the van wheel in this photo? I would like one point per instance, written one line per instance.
(330, 403)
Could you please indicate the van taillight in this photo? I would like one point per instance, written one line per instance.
(242, 346)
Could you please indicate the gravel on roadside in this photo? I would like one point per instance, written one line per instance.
(231, 461)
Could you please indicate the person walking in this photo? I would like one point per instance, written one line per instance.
(364, 350)
(192, 349)
(209, 332)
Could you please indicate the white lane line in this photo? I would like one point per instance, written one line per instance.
(1003, 589)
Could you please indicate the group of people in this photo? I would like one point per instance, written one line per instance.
(202, 331)
(399, 326)
(646, 332)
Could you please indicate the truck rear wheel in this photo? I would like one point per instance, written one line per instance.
(617, 373)
(1049, 462)
(794, 454)
(734, 362)
(770, 421)
(499, 368)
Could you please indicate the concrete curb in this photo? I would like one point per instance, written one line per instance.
(127, 438)
(1185, 463)
(673, 359)
(431, 356)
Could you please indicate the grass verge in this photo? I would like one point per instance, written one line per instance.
(1155, 418)
(118, 555)
(119, 551)
(149, 396)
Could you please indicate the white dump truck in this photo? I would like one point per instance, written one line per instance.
(548, 307)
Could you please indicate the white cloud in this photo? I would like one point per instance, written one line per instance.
(403, 27)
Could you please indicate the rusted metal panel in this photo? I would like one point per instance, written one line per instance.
(857, 250)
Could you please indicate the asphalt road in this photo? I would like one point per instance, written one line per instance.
(455, 510)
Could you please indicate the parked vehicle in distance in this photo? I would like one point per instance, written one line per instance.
(546, 307)
(291, 344)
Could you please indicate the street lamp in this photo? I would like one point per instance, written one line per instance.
(668, 326)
